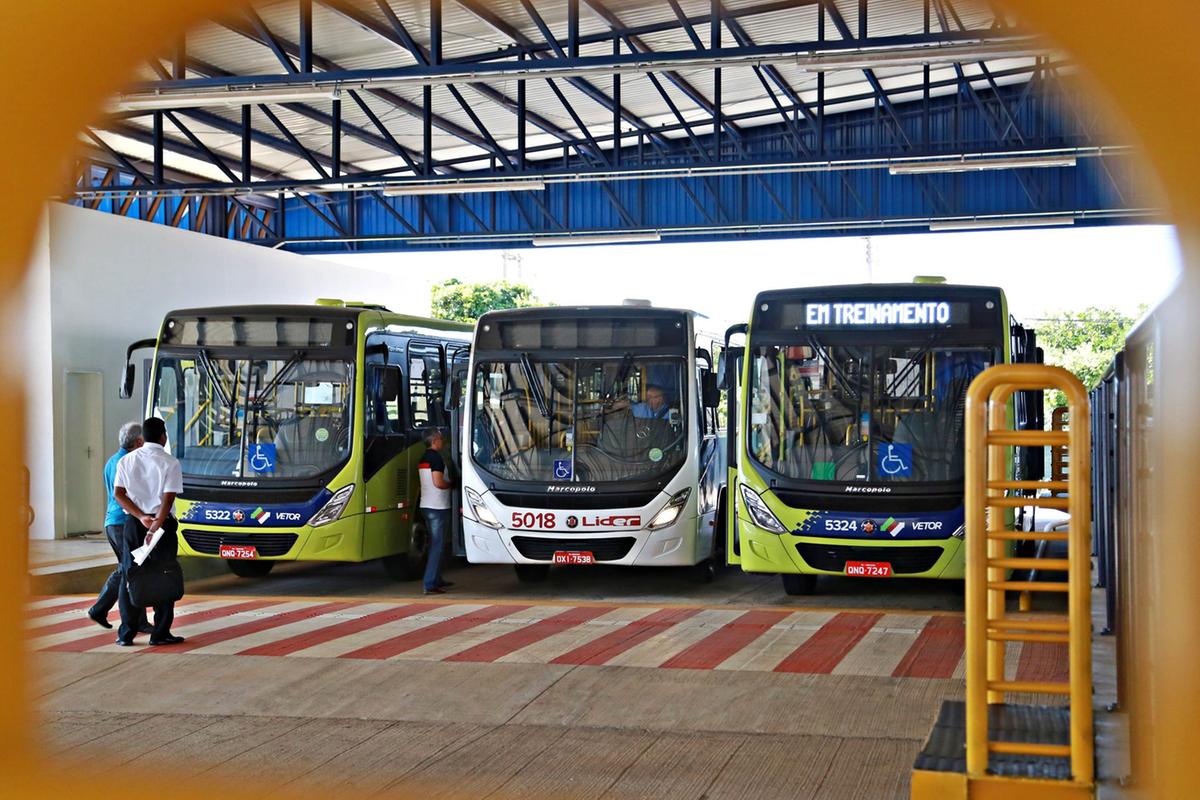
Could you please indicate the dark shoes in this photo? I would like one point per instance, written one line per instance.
(122, 642)
(167, 640)
(436, 590)
(98, 618)
(445, 584)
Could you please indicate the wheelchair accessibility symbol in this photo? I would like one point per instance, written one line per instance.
(262, 457)
(562, 469)
(895, 460)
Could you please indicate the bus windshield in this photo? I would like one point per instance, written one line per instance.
(257, 418)
(592, 420)
(847, 413)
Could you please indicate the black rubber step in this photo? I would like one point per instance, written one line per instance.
(946, 749)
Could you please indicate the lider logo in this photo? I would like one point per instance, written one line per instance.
(260, 516)
(892, 527)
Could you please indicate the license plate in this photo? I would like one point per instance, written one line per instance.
(239, 551)
(573, 557)
(869, 569)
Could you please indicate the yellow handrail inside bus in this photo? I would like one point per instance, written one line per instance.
(989, 629)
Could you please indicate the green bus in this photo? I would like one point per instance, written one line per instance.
(846, 453)
(299, 428)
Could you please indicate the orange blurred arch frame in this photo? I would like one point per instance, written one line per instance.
(61, 60)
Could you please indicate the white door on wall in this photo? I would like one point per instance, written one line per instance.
(84, 450)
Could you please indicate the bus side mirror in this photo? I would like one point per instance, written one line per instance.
(727, 369)
(454, 393)
(126, 390)
(391, 385)
(710, 392)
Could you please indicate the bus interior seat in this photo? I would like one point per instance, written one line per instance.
(299, 447)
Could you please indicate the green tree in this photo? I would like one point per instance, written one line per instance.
(1084, 342)
(466, 302)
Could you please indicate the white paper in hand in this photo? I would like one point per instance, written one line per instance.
(140, 554)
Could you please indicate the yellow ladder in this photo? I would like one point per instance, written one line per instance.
(990, 626)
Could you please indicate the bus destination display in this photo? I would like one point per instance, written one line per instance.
(849, 315)
(863, 314)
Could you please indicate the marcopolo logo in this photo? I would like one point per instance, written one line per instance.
(869, 489)
(239, 483)
(570, 488)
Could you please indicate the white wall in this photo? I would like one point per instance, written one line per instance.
(100, 282)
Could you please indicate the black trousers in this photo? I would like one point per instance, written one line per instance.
(112, 585)
(133, 537)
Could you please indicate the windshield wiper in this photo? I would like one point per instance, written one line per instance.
(535, 386)
(622, 374)
(280, 374)
(213, 379)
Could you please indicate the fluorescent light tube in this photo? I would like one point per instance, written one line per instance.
(978, 164)
(232, 97)
(462, 187)
(983, 223)
(599, 238)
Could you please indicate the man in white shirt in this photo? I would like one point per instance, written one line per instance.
(145, 486)
(435, 508)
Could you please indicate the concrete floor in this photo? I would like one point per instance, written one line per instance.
(744, 692)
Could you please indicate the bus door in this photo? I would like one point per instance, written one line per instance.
(458, 362)
(729, 378)
(711, 473)
(428, 382)
(384, 469)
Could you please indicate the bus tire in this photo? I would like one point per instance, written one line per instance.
(249, 569)
(409, 566)
(532, 573)
(797, 585)
(704, 572)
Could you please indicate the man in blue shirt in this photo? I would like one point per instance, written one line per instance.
(129, 438)
(655, 405)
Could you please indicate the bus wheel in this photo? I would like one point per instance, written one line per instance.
(799, 584)
(704, 572)
(249, 569)
(532, 573)
(409, 566)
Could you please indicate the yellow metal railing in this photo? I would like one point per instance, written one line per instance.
(989, 627)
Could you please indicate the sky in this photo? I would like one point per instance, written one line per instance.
(1043, 271)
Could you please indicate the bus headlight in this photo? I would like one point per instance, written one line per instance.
(759, 513)
(481, 512)
(670, 512)
(334, 508)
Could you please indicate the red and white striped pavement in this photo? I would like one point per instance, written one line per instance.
(901, 644)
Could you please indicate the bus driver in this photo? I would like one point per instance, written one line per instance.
(655, 405)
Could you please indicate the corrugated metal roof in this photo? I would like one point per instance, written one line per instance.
(339, 40)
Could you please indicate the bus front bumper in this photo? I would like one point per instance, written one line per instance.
(787, 553)
(340, 540)
(672, 546)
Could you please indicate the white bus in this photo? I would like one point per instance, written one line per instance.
(590, 436)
